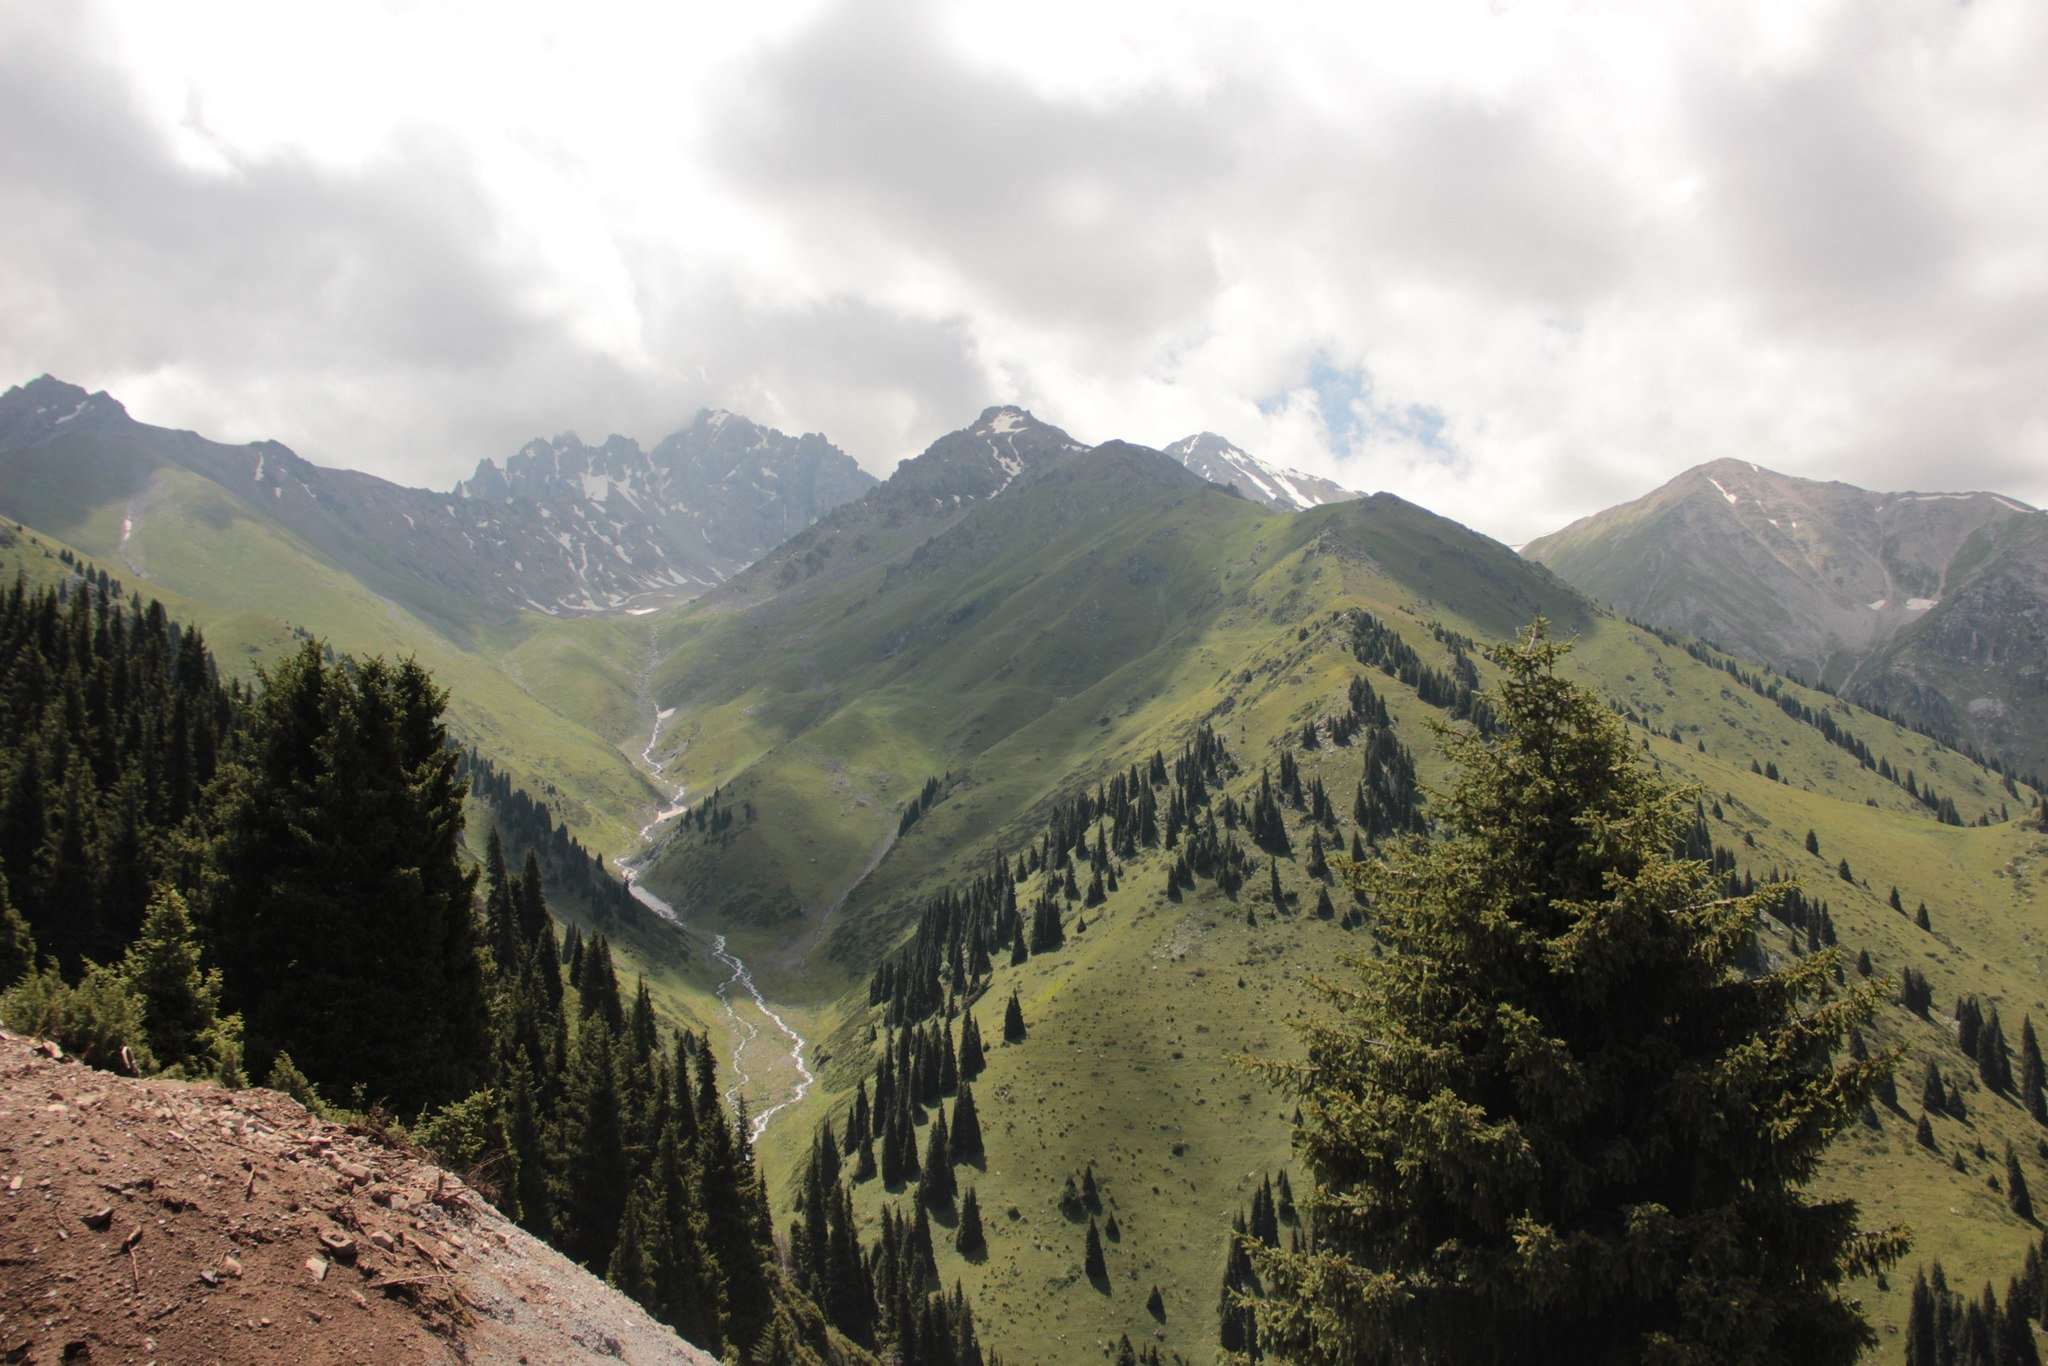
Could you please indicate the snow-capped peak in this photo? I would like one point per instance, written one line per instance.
(1222, 462)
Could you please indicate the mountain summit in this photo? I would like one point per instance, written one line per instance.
(1220, 462)
(1932, 605)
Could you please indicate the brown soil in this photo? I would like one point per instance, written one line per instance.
(177, 1222)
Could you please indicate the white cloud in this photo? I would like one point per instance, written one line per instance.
(1593, 244)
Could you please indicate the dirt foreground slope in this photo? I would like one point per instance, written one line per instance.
(169, 1221)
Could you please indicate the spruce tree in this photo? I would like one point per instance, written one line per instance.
(358, 953)
(635, 1266)
(972, 1059)
(595, 1168)
(966, 1131)
(2016, 1186)
(1013, 1021)
(2033, 1077)
(180, 1001)
(1558, 1122)
(969, 1240)
(935, 1187)
(1091, 1261)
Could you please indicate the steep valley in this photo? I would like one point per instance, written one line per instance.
(992, 647)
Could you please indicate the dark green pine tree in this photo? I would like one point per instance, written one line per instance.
(2033, 1078)
(501, 911)
(966, 1130)
(1013, 1021)
(635, 1265)
(1318, 865)
(936, 1187)
(532, 1182)
(600, 991)
(596, 1174)
(1091, 1259)
(922, 1255)
(1994, 1060)
(359, 954)
(2016, 1194)
(972, 1058)
(180, 1001)
(1503, 1117)
(731, 1219)
(1933, 1097)
(969, 1240)
(1920, 1339)
(1276, 893)
(1155, 1305)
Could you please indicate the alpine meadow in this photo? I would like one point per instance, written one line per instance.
(1354, 688)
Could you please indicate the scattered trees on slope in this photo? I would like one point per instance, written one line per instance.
(1557, 1120)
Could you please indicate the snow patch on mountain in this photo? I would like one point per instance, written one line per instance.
(1221, 462)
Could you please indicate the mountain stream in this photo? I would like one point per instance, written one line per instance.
(783, 1078)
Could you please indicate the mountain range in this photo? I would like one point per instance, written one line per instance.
(1931, 606)
(561, 527)
(971, 666)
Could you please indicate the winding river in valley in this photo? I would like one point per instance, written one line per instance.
(770, 1065)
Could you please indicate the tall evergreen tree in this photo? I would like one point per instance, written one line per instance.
(936, 1186)
(2033, 1077)
(966, 1130)
(969, 1240)
(360, 955)
(180, 1000)
(596, 1171)
(1558, 1122)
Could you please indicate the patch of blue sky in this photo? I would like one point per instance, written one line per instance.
(1353, 418)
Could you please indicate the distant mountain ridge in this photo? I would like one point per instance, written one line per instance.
(924, 495)
(1220, 462)
(1931, 605)
(561, 527)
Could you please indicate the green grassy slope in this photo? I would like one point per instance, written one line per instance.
(1054, 637)
(1082, 621)
(249, 583)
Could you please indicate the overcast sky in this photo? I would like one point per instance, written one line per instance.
(1515, 262)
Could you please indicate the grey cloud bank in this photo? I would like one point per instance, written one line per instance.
(1602, 243)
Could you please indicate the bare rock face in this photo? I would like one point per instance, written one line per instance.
(1929, 605)
(172, 1221)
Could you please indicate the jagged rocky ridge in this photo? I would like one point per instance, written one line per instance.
(562, 527)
